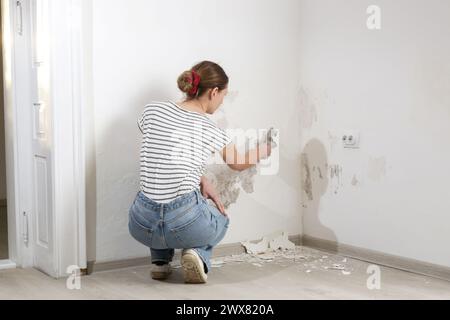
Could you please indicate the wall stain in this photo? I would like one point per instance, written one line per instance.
(320, 173)
(336, 171)
(306, 176)
(313, 167)
(314, 187)
(354, 180)
(336, 177)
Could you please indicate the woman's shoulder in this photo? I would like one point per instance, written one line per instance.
(155, 104)
(157, 107)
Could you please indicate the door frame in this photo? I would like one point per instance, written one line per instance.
(70, 95)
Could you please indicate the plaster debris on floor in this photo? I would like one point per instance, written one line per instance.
(272, 242)
(276, 248)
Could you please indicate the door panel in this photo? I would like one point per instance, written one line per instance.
(42, 144)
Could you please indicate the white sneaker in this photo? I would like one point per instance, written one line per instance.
(194, 271)
(160, 272)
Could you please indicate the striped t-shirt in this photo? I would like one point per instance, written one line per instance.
(176, 144)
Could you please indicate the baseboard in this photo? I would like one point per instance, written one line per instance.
(2, 202)
(379, 258)
(219, 251)
(375, 257)
(7, 264)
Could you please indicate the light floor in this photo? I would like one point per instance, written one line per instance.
(3, 233)
(278, 279)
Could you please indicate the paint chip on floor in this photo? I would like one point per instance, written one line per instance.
(306, 260)
(272, 242)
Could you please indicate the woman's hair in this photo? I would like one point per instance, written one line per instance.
(203, 76)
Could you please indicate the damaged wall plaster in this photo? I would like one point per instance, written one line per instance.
(229, 183)
(336, 179)
(316, 181)
(314, 170)
(354, 180)
(392, 86)
(306, 177)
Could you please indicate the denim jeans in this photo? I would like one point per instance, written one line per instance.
(184, 223)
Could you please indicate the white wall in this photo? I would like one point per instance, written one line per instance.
(394, 86)
(139, 49)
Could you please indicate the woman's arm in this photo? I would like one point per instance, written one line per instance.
(240, 162)
(209, 192)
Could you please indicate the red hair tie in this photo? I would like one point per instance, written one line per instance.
(195, 83)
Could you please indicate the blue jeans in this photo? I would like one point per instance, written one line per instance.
(184, 223)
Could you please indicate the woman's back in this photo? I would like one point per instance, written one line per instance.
(175, 146)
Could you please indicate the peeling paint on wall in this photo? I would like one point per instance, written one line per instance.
(314, 168)
(336, 177)
(354, 180)
(229, 183)
(319, 172)
(377, 168)
(306, 176)
(336, 171)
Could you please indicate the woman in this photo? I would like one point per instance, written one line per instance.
(170, 211)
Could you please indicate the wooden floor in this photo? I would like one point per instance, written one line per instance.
(272, 280)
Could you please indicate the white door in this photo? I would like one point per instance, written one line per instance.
(46, 120)
(44, 253)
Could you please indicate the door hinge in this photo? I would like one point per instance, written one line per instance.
(19, 17)
(25, 228)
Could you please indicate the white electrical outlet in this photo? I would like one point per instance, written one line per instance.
(350, 139)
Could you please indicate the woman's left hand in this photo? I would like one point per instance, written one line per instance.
(209, 192)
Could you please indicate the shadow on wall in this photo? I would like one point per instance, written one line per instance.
(122, 140)
(315, 181)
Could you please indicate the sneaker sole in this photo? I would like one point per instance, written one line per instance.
(192, 271)
(160, 275)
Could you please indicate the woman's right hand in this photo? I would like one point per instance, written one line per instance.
(208, 192)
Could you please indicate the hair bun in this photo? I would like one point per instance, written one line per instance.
(202, 77)
(186, 81)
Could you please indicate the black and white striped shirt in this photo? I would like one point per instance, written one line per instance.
(176, 144)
